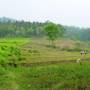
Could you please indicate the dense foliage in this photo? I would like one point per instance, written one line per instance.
(77, 33)
(53, 31)
(13, 28)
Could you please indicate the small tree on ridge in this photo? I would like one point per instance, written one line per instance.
(53, 31)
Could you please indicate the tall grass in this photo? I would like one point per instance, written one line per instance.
(10, 50)
(52, 77)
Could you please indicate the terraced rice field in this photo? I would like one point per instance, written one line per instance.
(32, 65)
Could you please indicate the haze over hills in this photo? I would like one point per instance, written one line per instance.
(6, 20)
(15, 28)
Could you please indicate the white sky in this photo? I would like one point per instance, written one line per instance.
(66, 12)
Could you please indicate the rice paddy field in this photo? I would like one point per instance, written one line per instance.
(30, 64)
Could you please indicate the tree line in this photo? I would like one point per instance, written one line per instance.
(14, 28)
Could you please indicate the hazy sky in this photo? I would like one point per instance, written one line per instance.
(66, 12)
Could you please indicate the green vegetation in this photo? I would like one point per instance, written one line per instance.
(12, 28)
(52, 77)
(52, 32)
(25, 50)
(10, 51)
(62, 76)
(28, 63)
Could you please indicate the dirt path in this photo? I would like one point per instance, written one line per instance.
(51, 62)
(43, 63)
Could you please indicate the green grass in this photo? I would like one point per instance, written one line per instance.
(38, 51)
(24, 50)
(52, 77)
(10, 50)
(71, 76)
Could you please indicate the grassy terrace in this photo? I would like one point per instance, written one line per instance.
(27, 51)
(52, 77)
(10, 49)
(64, 76)
(39, 51)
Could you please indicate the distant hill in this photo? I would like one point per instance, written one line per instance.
(6, 20)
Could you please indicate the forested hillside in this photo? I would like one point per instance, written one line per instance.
(14, 28)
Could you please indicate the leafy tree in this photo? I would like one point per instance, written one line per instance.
(52, 32)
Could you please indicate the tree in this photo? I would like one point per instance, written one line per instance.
(53, 31)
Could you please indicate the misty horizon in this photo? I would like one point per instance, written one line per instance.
(70, 12)
(42, 22)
